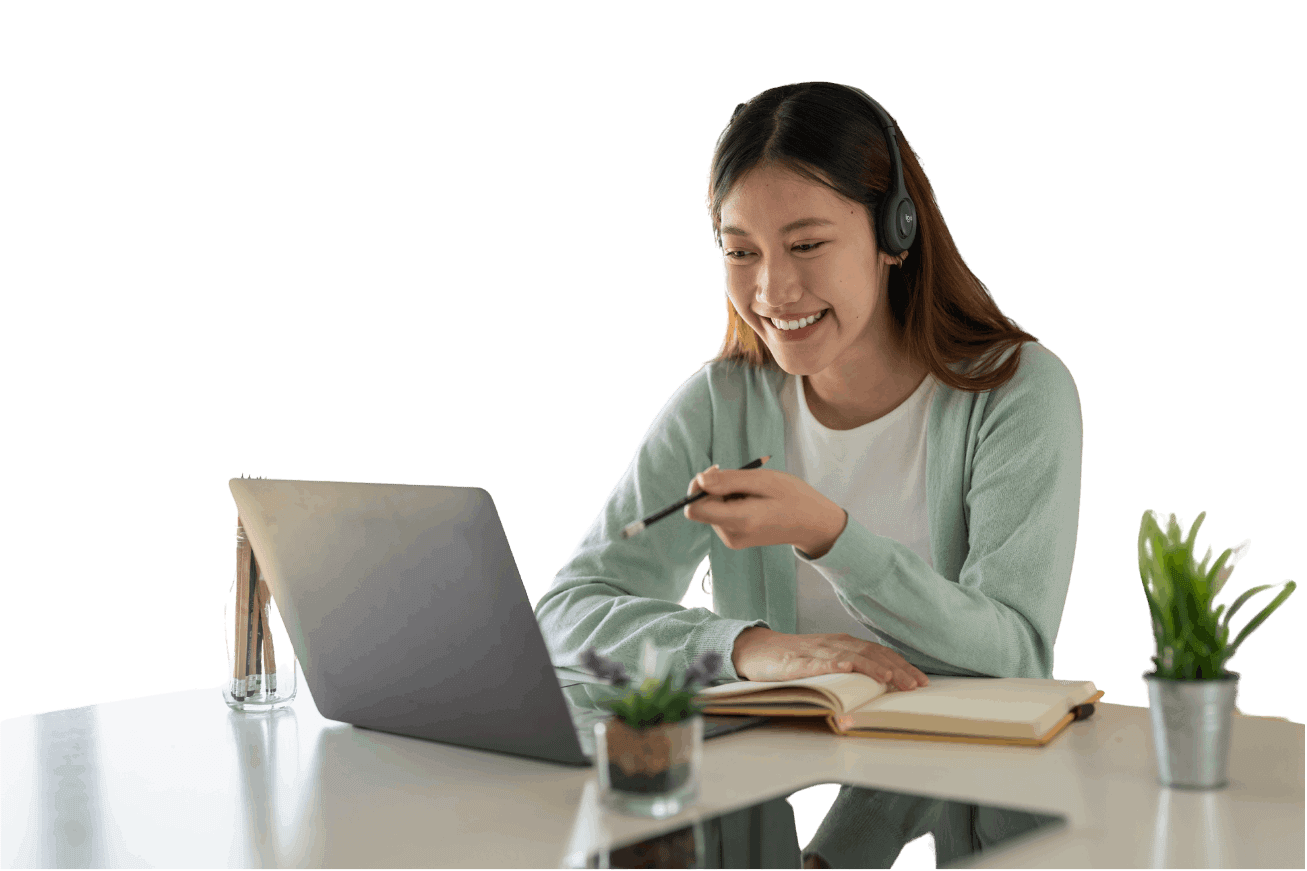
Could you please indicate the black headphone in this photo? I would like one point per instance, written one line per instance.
(896, 218)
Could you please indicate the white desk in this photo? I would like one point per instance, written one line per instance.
(180, 780)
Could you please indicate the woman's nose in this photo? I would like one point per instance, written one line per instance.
(777, 285)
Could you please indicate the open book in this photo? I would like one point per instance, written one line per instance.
(986, 710)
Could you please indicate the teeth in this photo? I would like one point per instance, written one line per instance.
(794, 325)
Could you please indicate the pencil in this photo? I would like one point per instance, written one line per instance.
(240, 638)
(639, 525)
(269, 657)
(251, 633)
(258, 645)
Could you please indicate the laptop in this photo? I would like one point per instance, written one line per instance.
(407, 615)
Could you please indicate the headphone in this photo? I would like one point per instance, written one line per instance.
(896, 216)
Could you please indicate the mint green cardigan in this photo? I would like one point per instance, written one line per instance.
(1002, 498)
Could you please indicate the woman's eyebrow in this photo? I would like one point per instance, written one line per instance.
(792, 225)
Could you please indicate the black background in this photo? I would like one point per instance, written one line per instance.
(282, 267)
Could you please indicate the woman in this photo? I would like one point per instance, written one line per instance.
(918, 513)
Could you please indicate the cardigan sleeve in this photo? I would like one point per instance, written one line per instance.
(614, 593)
(1022, 505)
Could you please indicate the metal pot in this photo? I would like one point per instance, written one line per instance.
(1191, 729)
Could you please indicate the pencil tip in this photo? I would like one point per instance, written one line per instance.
(766, 458)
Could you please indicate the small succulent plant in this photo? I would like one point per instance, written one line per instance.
(1192, 639)
(657, 701)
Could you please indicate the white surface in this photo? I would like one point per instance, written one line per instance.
(179, 780)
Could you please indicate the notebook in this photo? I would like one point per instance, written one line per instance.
(980, 710)
(407, 615)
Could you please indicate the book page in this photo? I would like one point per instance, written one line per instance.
(842, 692)
(1013, 707)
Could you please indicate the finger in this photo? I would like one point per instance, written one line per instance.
(705, 510)
(695, 485)
(903, 677)
(890, 661)
(876, 671)
(722, 481)
(907, 677)
(907, 669)
(894, 677)
(702, 509)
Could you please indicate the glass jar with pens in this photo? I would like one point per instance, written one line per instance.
(261, 666)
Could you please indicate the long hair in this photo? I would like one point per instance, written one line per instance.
(827, 133)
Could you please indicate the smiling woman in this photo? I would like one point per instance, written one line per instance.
(940, 312)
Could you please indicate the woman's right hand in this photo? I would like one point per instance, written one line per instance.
(763, 654)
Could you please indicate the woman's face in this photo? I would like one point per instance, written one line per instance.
(793, 249)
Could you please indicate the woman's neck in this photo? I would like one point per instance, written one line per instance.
(848, 396)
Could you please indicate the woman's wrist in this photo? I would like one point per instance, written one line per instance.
(743, 642)
(827, 531)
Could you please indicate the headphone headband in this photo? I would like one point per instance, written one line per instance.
(896, 219)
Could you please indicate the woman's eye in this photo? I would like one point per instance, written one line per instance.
(803, 247)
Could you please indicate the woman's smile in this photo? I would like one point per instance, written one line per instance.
(794, 335)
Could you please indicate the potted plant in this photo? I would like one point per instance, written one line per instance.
(648, 753)
(1191, 695)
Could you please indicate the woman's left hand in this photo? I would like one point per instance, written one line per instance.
(752, 507)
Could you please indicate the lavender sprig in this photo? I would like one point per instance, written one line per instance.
(656, 702)
(703, 669)
(605, 669)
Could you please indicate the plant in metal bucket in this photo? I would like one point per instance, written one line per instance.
(1192, 637)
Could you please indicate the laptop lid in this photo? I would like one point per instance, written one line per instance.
(407, 612)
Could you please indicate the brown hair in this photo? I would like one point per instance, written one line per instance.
(827, 133)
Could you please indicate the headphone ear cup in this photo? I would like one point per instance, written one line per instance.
(898, 224)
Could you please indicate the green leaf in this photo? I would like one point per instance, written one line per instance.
(1281, 598)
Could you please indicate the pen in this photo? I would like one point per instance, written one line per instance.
(639, 525)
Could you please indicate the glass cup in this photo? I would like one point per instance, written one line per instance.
(262, 691)
(649, 772)
(261, 667)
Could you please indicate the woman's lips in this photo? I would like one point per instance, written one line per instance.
(799, 335)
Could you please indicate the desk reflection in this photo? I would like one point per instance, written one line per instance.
(863, 828)
(762, 835)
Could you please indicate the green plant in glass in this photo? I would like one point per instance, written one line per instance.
(657, 701)
(1192, 639)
